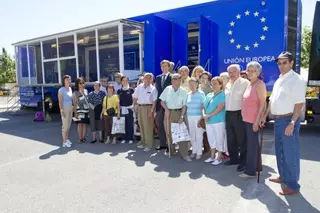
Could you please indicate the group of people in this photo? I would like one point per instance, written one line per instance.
(228, 108)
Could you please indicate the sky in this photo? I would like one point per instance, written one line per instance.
(24, 19)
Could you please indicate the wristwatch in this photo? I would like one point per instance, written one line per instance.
(292, 122)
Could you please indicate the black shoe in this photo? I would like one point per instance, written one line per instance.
(93, 141)
(161, 147)
(101, 141)
(241, 168)
(229, 163)
(84, 140)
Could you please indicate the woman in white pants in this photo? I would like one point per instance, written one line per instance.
(214, 116)
(194, 107)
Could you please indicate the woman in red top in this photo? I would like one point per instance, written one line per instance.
(253, 104)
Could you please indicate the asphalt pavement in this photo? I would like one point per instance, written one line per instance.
(37, 175)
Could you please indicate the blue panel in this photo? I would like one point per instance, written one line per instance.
(298, 49)
(247, 30)
(24, 62)
(32, 56)
(180, 43)
(205, 42)
(214, 68)
(162, 46)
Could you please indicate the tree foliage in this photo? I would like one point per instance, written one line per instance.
(7, 68)
(306, 46)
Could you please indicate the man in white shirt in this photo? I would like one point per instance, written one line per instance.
(236, 136)
(144, 100)
(285, 105)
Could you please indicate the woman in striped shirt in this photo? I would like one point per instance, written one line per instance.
(194, 112)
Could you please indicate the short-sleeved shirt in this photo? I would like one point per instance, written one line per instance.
(66, 96)
(125, 95)
(145, 95)
(288, 90)
(174, 99)
(194, 103)
(96, 98)
(210, 103)
(112, 103)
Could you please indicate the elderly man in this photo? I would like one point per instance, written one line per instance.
(144, 100)
(236, 137)
(162, 81)
(286, 102)
(184, 72)
(117, 85)
(174, 100)
(104, 84)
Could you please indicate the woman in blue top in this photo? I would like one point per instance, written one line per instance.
(214, 115)
(95, 102)
(66, 109)
(194, 112)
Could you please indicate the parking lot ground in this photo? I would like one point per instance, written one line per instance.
(37, 175)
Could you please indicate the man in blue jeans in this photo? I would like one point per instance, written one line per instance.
(286, 102)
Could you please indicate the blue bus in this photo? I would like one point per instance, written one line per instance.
(213, 34)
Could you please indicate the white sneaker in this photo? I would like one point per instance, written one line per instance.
(68, 141)
(146, 149)
(130, 142)
(192, 155)
(209, 160)
(66, 144)
(123, 141)
(140, 146)
(216, 162)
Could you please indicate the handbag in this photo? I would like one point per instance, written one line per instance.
(110, 111)
(201, 121)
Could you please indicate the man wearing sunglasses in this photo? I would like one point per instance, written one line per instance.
(286, 102)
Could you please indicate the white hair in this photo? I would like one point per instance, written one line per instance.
(236, 66)
(225, 75)
(255, 65)
(184, 68)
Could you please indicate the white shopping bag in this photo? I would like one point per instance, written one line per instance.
(179, 133)
(118, 126)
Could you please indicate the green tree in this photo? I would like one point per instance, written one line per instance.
(7, 68)
(306, 46)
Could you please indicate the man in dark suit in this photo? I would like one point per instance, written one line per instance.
(162, 81)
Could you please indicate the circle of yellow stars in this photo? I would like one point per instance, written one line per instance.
(255, 44)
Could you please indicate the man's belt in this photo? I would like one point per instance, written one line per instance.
(175, 109)
(144, 104)
(282, 116)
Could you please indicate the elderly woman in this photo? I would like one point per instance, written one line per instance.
(95, 102)
(225, 77)
(214, 115)
(205, 86)
(253, 103)
(65, 105)
(197, 71)
(81, 109)
(184, 72)
(110, 108)
(194, 111)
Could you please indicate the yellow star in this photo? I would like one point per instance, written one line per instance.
(265, 28)
(238, 46)
(232, 41)
(263, 19)
(230, 32)
(263, 38)
(256, 14)
(232, 23)
(247, 12)
(256, 44)
(238, 16)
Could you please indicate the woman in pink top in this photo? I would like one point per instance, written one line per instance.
(253, 104)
